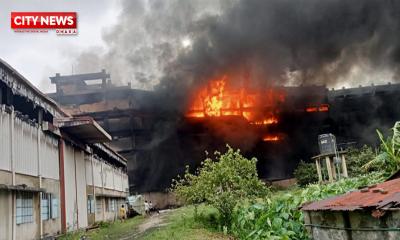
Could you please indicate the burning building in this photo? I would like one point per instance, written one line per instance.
(278, 125)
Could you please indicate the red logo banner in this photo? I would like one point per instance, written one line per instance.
(43, 20)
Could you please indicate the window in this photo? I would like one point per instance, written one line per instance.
(90, 204)
(49, 206)
(24, 207)
(54, 207)
(110, 205)
(45, 206)
(99, 205)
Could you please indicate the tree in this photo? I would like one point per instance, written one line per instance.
(221, 183)
(305, 173)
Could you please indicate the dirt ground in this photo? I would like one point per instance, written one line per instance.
(153, 221)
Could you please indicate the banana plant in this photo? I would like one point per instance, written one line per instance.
(389, 158)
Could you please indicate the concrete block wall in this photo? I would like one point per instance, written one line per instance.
(352, 225)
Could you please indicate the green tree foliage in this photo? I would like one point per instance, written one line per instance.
(388, 160)
(356, 158)
(306, 173)
(221, 183)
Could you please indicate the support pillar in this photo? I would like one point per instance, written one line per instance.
(344, 166)
(62, 186)
(329, 167)
(318, 164)
(334, 175)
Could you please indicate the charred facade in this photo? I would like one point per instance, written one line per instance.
(159, 142)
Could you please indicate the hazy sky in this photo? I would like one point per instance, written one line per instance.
(143, 41)
(40, 55)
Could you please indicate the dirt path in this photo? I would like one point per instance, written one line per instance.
(153, 221)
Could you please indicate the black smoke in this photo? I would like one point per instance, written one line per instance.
(292, 42)
(269, 42)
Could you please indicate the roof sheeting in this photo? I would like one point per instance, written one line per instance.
(83, 128)
(381, 196)
(21, 86)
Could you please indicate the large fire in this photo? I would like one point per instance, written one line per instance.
(217, 99)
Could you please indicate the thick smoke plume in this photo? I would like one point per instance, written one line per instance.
(294, 42)
(176, 46)
(179, 44)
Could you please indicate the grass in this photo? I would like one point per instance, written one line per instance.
(116, 230)
(181, 224)
(177, 224)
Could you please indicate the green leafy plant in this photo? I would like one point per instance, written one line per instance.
(356, 158)
(389, 157)
(306, 173)
(221, 183)
(279, 217)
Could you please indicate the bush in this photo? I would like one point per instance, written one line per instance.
(356, 158)
(221, 183)
(279, 217)
(306, 173)
(388, 160)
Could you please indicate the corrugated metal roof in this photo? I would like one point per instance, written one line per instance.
(21, 86)
(83, 128)
(380, 196)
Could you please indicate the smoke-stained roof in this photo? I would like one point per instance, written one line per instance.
(21, 86)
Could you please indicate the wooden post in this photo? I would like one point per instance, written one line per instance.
(329, 167)
(333, 165)
(318, 169)
(344, 167)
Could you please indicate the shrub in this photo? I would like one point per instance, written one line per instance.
(356, 158)
(388, 160)
(221, 183)
(306, 173)
(279, 217)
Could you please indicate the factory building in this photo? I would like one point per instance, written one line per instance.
(56, 172)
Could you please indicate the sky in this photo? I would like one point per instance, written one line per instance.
(38, 56)
(148, 42)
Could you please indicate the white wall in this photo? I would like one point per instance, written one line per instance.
(6, 215)
(108, 176)
(49, 157)
(71, 207)
(88, 170)
(5, 141)
(25, 148)
(98, 182)
(81, 188)
(25, 144)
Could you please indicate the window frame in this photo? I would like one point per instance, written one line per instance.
(24, 207)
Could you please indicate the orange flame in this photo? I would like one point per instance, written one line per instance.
(271, 138)
(267, 121)
(216, 99)
(320, 108)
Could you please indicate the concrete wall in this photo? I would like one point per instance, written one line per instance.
(337, 223)
(30, 230)
(6, 215)
(71, 205)
(81, 189)
(52, 226)
(27, 230)
(75, 188)
(34, 155)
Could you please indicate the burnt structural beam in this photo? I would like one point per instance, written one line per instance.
(80, 77)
